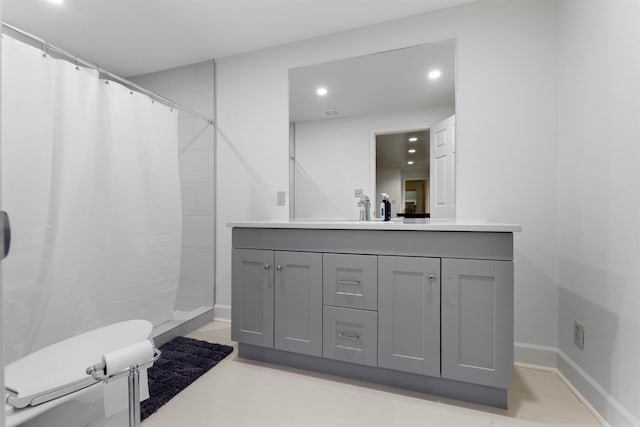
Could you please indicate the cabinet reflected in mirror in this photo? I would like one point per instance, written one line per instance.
(342, 112)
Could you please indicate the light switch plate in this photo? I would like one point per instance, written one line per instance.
(282, 198)
(358, 192)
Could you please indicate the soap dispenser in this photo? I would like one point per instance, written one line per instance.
(385, 207)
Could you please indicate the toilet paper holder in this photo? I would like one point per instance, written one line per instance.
(98, 372)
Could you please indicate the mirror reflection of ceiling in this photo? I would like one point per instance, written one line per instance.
(392, 81)
(392, 151)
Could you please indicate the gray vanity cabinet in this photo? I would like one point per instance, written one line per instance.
(277, 300)
(252, 297)
(409, 314)
(477, 321)
(298, 302)
(420, 309)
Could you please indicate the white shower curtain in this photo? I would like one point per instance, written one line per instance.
(90, 180)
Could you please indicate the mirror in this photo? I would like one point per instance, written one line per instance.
(353, 128)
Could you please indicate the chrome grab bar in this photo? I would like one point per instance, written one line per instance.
(94, 370)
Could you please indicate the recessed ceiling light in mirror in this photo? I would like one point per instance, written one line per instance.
(413, 150)
(413, 139)
(434, 74)
(321, 91)
(410, 162)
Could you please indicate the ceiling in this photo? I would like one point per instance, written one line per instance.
(131, 37)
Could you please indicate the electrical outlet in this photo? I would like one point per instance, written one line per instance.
(358, 192)
(578, 334)
(282, 198)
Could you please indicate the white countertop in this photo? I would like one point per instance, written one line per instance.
(417, 224)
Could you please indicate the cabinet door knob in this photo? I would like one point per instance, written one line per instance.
(267, 267)
(278, 267)
(432, 277)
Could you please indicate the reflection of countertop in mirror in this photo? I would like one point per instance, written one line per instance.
(410, 224)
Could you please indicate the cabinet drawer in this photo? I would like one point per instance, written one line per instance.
(350, 281)
(350, 335)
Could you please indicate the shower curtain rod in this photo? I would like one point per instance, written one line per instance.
(47, 47)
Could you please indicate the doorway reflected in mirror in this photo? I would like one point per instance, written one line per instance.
(402, 171)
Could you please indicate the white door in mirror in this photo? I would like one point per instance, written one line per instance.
(442, 169)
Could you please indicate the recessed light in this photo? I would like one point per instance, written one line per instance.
(434, 74)
(413, 139)
(413, 150)
(322, 91)
(56, 1)
(410, 162)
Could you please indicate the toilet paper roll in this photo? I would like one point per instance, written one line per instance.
(135, 354)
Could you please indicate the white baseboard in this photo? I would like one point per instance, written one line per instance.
(539, 355)
(603, 403)
(603, 406)
(222, 312)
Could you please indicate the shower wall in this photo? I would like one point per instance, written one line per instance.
(193, 86)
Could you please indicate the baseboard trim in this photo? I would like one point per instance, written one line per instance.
(222, 312)
(602, 405)
(593, 395)
(538, 355)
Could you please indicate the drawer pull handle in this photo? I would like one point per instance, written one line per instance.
(279, 267)
(349, 282)
(267, 267)
(349, 294)
(432, 277)
(353, 337)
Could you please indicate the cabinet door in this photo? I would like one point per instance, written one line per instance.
(298, 302)
(477, 321)
(409, 314)
(252, 297)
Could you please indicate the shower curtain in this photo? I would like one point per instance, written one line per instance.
(90, 180)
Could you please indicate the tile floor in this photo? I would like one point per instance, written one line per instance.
(241, 392)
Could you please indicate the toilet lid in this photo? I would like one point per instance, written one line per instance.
(60, 369)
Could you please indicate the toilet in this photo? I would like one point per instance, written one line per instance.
(51, 388)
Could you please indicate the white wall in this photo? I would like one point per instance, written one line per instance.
(193, 87)
(333, 158)
(505, 109)
(599, 199)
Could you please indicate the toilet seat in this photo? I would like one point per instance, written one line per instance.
(60, 369)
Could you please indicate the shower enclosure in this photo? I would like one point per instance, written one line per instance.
(93, 180)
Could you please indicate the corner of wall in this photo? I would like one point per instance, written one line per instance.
(604, 406)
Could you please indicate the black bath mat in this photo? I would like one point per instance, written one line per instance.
(182, 361)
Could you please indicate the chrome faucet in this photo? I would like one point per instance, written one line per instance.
(365, 208)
